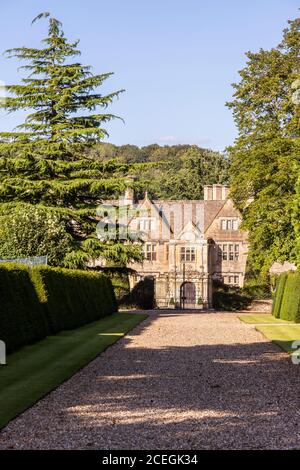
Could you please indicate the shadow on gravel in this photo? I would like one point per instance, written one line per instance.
(207, 396)
(236, 396)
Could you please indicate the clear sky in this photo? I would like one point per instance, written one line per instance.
(175, 58)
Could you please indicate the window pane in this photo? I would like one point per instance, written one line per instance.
(235, 224)
(236, 247)
(230, 256)
(223, 224)
(230, 247)
(228, 224)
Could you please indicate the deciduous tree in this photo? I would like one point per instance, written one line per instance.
(265, 156)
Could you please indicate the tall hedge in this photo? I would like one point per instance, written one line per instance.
(22, 316)
(290, 306)
(72, 297)
(280, 285)
(41, 301)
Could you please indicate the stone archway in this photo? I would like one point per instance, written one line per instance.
(187, 295)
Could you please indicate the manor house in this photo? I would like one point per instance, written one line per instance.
(187, 245)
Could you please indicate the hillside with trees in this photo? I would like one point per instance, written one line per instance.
(172, 172)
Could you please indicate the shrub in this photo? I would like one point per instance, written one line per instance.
(40, 301)
(257, 290)
(27, 230)
(141, 296)
(73, 297)
(229, 297)
(280, 285)
(22, 317)
(290, 306)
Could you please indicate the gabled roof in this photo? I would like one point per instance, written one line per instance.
(190, 230)
(200, 212)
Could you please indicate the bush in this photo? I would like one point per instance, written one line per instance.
(277, 301)
(229, 297)
(36, 302)
(73, 297)
(290, 305)
(22, 316)
(141, 296)
(27, 230)
(257, 290)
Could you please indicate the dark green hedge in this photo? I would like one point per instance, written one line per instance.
(40, 301)
(287, 297)
(72, 297)
(290, 306)
(142, 295)
(229, 298)
(280, 285)
(22, 316)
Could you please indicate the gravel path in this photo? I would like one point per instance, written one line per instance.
(178, 381)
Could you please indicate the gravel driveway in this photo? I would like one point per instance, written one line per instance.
(178, 381)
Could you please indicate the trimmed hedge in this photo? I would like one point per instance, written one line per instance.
(280, 285)
(72, 297)
(290, 306)
(41, 301)
(22, 316)
(287, 297)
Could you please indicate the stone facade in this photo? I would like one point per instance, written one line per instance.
(187, 244)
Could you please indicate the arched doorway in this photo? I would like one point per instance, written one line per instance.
(187, 295)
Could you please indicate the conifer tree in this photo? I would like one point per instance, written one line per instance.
(44, 161)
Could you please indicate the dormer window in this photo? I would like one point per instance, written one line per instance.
(229, 224)
(146, 224)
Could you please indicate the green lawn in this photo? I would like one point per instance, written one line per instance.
(282, 335)
(35, 370)
(280, 332)
(262, 318)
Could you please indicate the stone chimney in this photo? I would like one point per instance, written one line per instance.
(128, 198)
(215, 192)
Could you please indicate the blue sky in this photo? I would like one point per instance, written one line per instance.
(175, 58)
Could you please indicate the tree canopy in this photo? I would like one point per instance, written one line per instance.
(45, 159)
(265, 157)
(170, 172)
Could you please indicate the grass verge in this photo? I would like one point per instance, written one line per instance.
(35, 370)
(262, 318)
(282, 335)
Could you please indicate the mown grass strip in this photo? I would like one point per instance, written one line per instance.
(262, 318)
(282, 335)
(35, 370)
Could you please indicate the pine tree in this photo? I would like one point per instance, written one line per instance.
(265, 157)
(44, 161)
